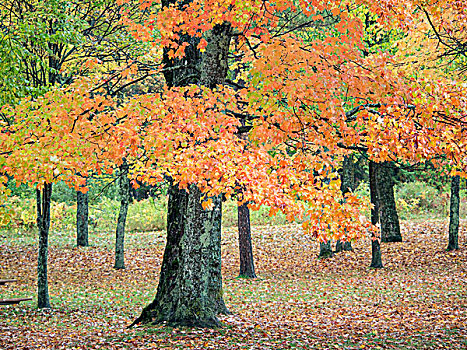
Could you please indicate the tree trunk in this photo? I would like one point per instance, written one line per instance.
(390, 228)
(190, 285)
(454, 214)
(343, 246)
(375, 240)
(43, 224)
(124, 203)
(325, 250)
(247, 266)
(347, 184)
(82, 214)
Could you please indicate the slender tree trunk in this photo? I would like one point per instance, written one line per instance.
(343, 246)
(247, 266)
(82, 214)
(121, 222)
(190, 285)
(43, 224)
(390, 228)
(347, 184)
(454, 214)
(376, 261)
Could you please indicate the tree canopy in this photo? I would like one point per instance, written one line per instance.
(307, 90)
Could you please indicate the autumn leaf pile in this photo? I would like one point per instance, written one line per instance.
(418, 301)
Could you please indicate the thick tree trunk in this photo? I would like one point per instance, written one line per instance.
(190, 285)
(390, 228)
(247, 266)
(347, 184)
(43, 224)
(121, 222)
(82, 214)
(454, 214)
(376, 261)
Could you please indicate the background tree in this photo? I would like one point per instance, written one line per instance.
(124, 192)
(390, 227)
(376, 261)
(325, 250)
(247, 265)
(347, 184)
(47, 43)
(82, 217)
(454, 214)
(39, 34)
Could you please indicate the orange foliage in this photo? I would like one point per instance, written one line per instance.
(308, 100)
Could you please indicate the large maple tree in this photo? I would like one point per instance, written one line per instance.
(307, 94)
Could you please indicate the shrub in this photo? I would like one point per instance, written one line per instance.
(257, 217)
(418, 198)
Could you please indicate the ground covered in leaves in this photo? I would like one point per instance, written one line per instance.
(418, 301)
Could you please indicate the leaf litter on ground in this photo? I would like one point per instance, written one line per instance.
(418, 301)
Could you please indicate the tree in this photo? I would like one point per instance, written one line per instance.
(124, 192)
(190, 287)
(43, 224)
(45, 43)
(347, 185)
(375, 238)
(325, 250)
(454, 214)
(247, 265)
(82, 214)
(390, 228)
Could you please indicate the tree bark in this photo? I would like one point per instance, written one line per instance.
(121, 222)
(454, 214)
(390, 228)
(325, 250)
(43, 224)
(82, 215)
(247, 266)
(376, 261)
(347, 185)
(188, 293)
(190, 285)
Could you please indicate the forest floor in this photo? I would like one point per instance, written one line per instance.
(418, 301)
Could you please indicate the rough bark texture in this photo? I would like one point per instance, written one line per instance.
(184, 71)
(43, 224)
(190, 285)
(188, 293)
(454, 214)
(376, 261)
(325, 250)
(121, 222)
(247, 266)
(82, 215)
(390, 228)
(214, 63)
(347, 185)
